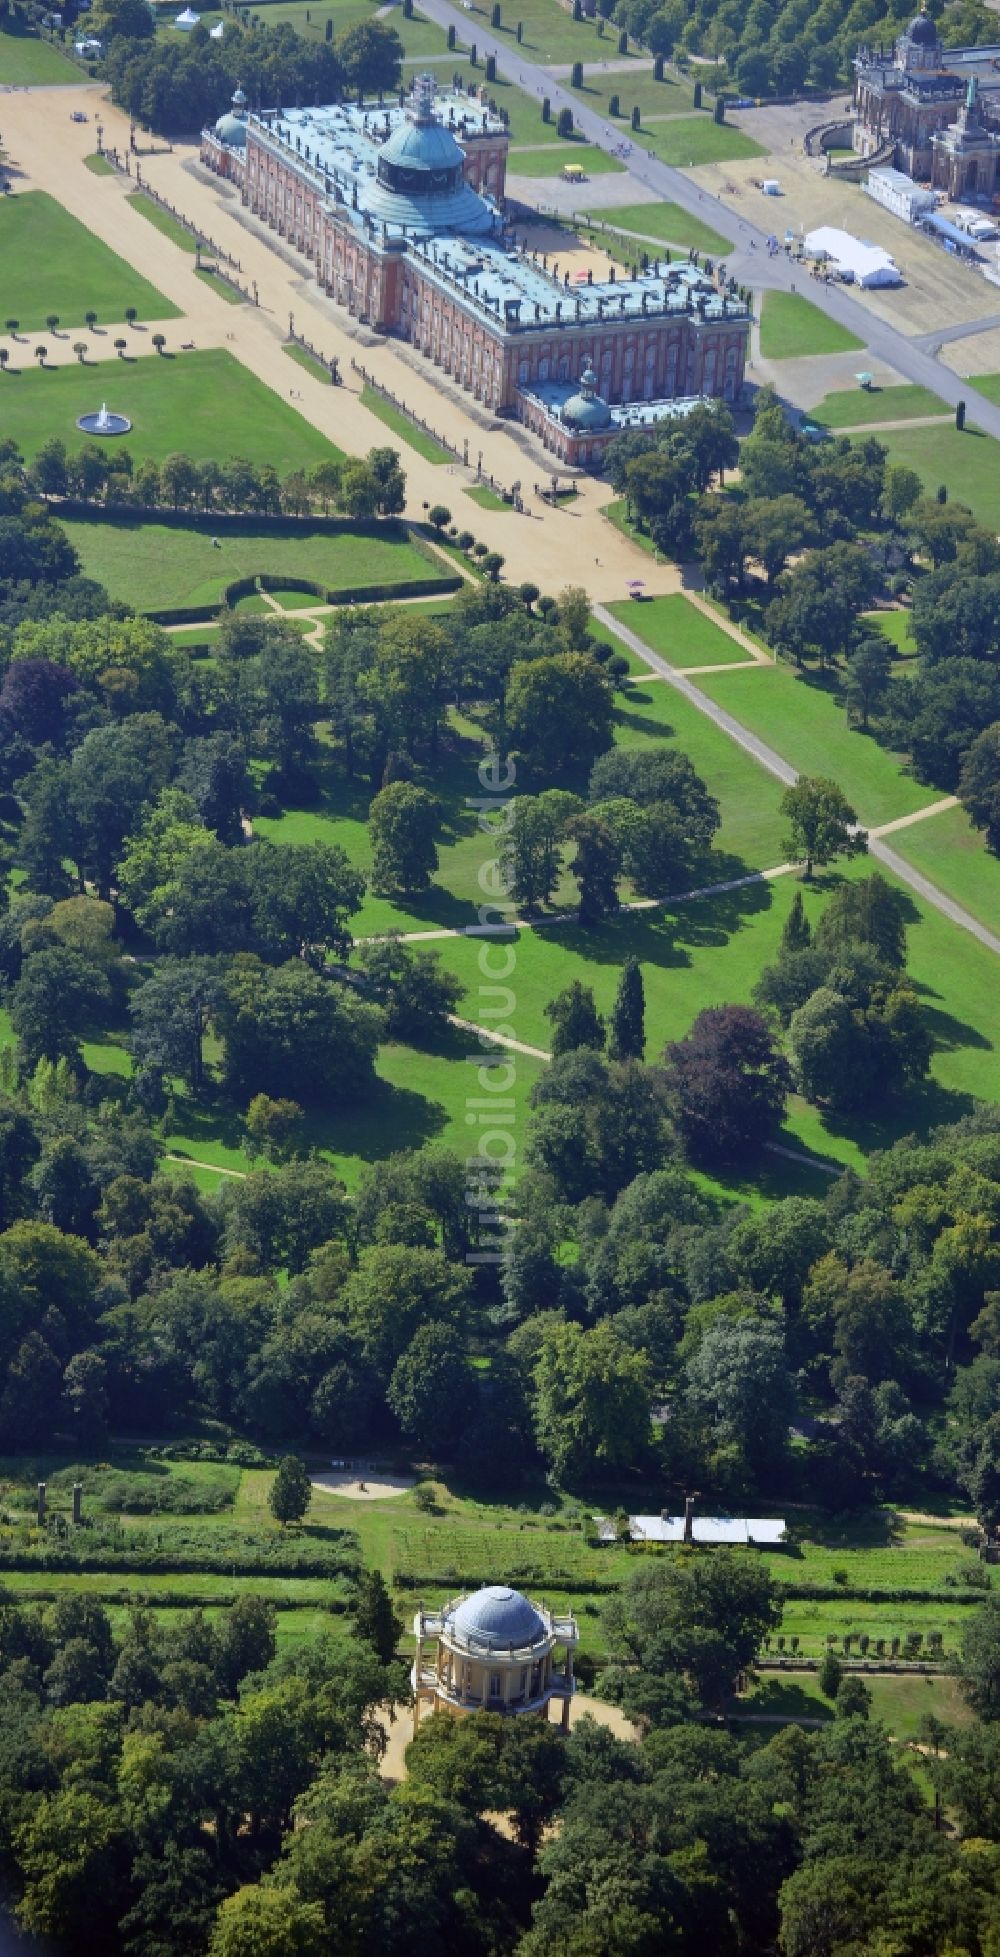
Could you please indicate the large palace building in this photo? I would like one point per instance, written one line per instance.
(399, 208)
(933, 111)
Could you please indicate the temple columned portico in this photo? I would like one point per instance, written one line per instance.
(493, 1651)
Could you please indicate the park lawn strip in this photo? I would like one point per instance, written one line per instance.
(169, 226)
(671, 225)
(791, 327)
(487, 498)
(953, 854)
(53, 264)
(98, 164)
(807, 725)
(26, 61)
(551, 36)
(220, 286)
(307, 361)
(678, 631)
(159, 565)
(688, 141)
(204, 404)
(401, 425)
(550, 162)
(854, 408)
(964, 462)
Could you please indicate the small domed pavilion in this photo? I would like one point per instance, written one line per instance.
(493, 1651)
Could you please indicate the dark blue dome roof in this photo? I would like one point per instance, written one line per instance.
(922, 31)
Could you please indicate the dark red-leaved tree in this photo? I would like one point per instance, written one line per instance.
(727, 1082)
(33, 700)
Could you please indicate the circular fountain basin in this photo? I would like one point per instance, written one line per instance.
(103, 422)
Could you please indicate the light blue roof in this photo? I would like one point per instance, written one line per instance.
(422, 146)
(497, 1617)
(232, 131)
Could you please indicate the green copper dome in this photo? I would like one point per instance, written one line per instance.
(586, 409)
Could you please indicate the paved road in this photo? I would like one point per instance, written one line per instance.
(749, 266)
(768, 758)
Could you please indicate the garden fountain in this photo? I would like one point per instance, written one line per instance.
(104, 422)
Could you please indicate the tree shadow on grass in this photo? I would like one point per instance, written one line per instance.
(781, 1697)
(668, 938)
(924, 1107)
(391, 1119)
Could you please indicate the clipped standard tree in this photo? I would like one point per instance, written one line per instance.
(291, 1491)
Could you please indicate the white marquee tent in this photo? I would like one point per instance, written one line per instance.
(869, 264)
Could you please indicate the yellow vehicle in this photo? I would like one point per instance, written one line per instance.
(574, 173)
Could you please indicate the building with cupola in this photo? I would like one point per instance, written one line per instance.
(493, 1651)
(932, 110)
(399, 208)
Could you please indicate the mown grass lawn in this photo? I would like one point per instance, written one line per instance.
(99, 166)
(550, 35)
(966, 463)
(202, 404)
(26, 61)
(791, 326)
(807, 725)
(853, 408)
(691, 140)
(53, 264)
(678, 631)
(947, 849)
(672, 225)
(550, 162)
(636, 88)
(155, 565)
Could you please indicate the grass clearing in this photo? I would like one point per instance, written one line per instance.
(550, 35)
(853, 408)
(26, 61)
(805, 722)
(53, 264)
(160, 565)
(792, 327)
(98, 164)
(168, 226)
(678, 631)
(691, 140)
(401, 425)
(897, 627)
(420, 1096)
(966, 463)
(669, 224)
(206, 400)
(551, 162)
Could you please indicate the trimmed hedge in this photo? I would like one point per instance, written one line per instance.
(182, 1599)
(160, 1552)
(357, 594)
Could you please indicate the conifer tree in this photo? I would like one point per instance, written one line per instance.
(374, 1619)
(627, 1039)
(291, 1490)
(797, 934)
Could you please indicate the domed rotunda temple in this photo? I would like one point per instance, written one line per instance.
(493, 1651)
